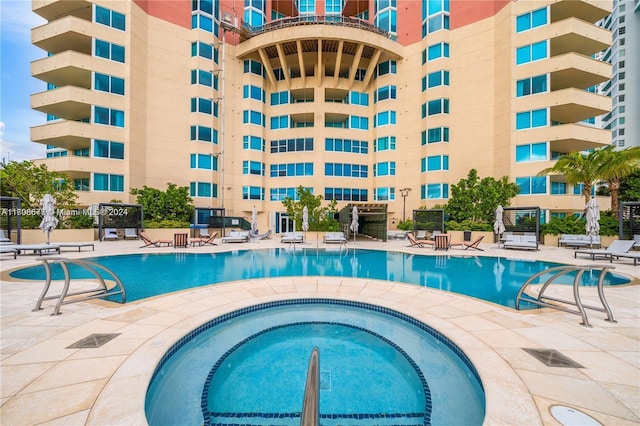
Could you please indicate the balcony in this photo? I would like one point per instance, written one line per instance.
(54, 9)
(68, 33)
(566, 137)
(574, 35)
(588, 11)
(568, 70)
(72, 135)
(567, 105)
(68, 102)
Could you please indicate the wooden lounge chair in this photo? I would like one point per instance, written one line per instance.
(204, 241)
(148, 242)
(180, 240)
(416, 243)
(441, 242)
(465, 245)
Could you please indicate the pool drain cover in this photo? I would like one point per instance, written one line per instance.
(93, 341)
(552, 358)
(568, 416)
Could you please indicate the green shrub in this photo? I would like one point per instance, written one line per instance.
(80, 221)
(468, 225)
(166, 224)
(578, 226)
(406, 225)
(609, 225)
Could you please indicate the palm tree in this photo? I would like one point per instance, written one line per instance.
(577, 168)
(613, 166)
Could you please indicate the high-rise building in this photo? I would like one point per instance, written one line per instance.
(623, 88)
(364, 101)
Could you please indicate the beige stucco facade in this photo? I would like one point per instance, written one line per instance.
(328, 62)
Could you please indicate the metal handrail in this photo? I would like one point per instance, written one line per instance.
(559, 271)
(101, 291)
(292, 21)
(310, 415)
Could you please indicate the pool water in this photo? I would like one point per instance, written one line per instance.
(493, 279)
(377, 366)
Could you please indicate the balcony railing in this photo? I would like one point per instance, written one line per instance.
(343, 21)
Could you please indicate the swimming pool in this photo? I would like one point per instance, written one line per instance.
(377, 366)
(493, 279)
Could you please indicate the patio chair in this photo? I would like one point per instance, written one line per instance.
(203, 233)
(204, 241)
(257, 237)
(180, 240)
(465, 245)
(236, 237)
(421, 234)
(148, 242)
(130, 234)
(616, 248)
(416, 243)
(3, 237)
(441, 242)
(335, 237)
(292, 237)
(110, 234)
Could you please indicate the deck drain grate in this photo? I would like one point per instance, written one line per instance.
(552, 358)
(93, 341)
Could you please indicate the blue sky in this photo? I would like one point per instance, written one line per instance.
(16, 83)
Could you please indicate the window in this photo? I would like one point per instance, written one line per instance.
(108, 116)
(385, 92)
(253, 92)
(387, 143)
(104, 49)
(205, 23)
(530, 185)
(357, 98)
(531, 52)
(107, 182)
(436, 51)
(531, 152)
(253, 117)
(291, 169)
(107, 83)
(279, 194)
(434, 191)
(254, 14)
(434, 135)
(435, 163)
(280, 122)
(384, 118)
(82, 152)
(385, 16)
(435, 107)
(81, 184)
(386, 67)
(438, 78)
(531, 86)
(558, 188)
(385, 168)
(109, 18)
(203, 189)
(108, 149)
(346, 194)
(204, 161)
(253, 67)
(253, 168)
(252, 193)
(204, 134)
(204, 78)
(437, 23)
(204, 50)
(333, 7)
(346, 145)
(346, 170)
(530, 20)
(531, 119)
(356, 122)
(202, 105)
(280, 98)
(253, 142)
(292, 145)
(384, 194)
(306, 6)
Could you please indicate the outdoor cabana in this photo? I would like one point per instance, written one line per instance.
(372, 219)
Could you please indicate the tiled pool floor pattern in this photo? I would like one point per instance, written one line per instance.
(45, 382)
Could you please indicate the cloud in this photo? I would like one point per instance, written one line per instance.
(19, 151)
(18, 19)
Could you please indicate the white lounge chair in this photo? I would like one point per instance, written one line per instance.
(130, 234)
(265, 236)
(292, 237)
(335, 237)
(203, 233)
(110, 234)
(236, 237)
(617, 248)
(3, 237)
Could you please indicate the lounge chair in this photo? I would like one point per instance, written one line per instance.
(148, 242)
(110, 234)
(265, 236)
(292, 237)
(421, 234)
(236, 237)
(465, 245)
(441, 242)
(523, 242)
(78, 245)
(9, 249)
(335, 237)
(204, 241)
(130, 234)
(180, 240)
(3, 237)
(616, 248)
(203, 233)
(416, 243)
(629, 255)
(35, 248)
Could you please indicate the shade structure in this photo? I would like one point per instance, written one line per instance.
(354, 222)
(593, 217)
(254, 220)
(49, 220)
(305, 219)
(498, 224)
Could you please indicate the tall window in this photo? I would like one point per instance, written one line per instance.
(333, 7)
(306, 7)
(433, 191)
(112, 51)
(204, 15)
(435, 16)
(109, 18)
(108, 149)
(254, 15)
(385, 16)
(108, 116)
(108, 83)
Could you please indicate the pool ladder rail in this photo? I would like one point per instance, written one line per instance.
(99, 292)
(558, 271)
(310, 415)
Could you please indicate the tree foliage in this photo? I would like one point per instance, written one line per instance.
(630, 187)
(30, 182)
(174, 204)
(320, 218)
(577, 168)
(476, 199)
(614, 166)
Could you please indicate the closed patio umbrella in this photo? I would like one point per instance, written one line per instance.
(305, 221)
(593, 217)
(49, 220)
(254, 221)
(354, 222)
(498, 224)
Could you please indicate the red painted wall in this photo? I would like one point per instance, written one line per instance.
(465, 12)
(176, 12)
